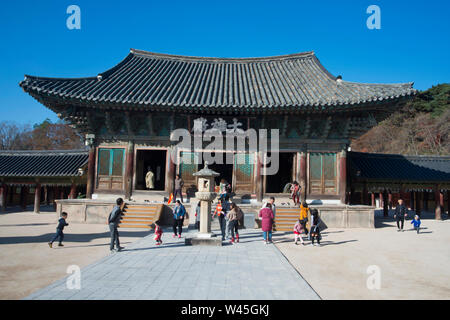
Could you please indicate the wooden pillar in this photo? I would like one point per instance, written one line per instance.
(46, 200)
(129, 170)
(259, 180)
(372, 195)
(55, 196)
(343, 175)
(439, 200)
(448, 202)
(23, 197)
(425, 201)
(385, 204)
(91, 173)
(411, 200)
(37, 198)
(418, 207)
(3, 197)
(381, 200)
(365, 195)
(170, 172)
(390, 200)
(303, 175)
(62, 193)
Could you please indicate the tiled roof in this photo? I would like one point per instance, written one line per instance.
(283, 82)
(399, 168)
(42, 163)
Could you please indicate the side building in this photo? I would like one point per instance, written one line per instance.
(41, 177)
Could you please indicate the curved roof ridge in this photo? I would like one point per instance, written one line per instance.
(392, 155)
(27, 76)
(222, 59)
(46, 152)
(401, 84)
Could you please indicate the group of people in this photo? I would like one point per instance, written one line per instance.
(401, 213)
(230, 218)
(267, 216)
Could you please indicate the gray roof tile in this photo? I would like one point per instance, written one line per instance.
(145, 78)
(46, 163)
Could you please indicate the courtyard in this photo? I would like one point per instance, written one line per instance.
(411, 266)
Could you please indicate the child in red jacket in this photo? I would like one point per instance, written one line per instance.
(158, 233)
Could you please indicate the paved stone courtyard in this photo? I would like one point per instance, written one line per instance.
(248, 270)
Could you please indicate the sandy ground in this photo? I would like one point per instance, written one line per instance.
(411, 266)
(28, 264)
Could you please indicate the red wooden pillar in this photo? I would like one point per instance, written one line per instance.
(170, 173)
(259, 180)
(55, 196)
(385, 204)
(439, 199)
(343, 175)
(129, 170)
(23, 197)
(90, 173)
(62, 193)
(425, 201)
(303, 182)
(418, 207)
(2, 197)
(372, 195)
(390, 200)
(37, 198)
(381, 200)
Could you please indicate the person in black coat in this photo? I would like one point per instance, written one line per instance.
(113, 222)
(401, 212)
(59, 230)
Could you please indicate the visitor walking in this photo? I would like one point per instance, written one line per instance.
(416, 223)
(158, 233)
(221, 211)
(266, 215)
(197, 216)
(222, 189)
(113, 222)
(295, 193)
(271, 201)
(234, 216)
(179, 183)
(315, 227)
(178, 219)
(59, 230)
(298, 230)
(400, 214)
(304, 211)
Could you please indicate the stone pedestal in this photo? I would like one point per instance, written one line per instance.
(205, 195)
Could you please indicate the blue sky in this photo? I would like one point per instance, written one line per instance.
(412, 45)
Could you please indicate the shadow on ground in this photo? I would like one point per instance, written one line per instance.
(69, 237)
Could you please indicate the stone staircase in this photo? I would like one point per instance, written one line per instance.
(285, 218)
(140, 215)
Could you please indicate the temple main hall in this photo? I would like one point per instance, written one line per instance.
(128, 112)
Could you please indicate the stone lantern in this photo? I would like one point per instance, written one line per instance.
(206, 195)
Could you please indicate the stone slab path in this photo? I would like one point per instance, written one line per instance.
(247, 270)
